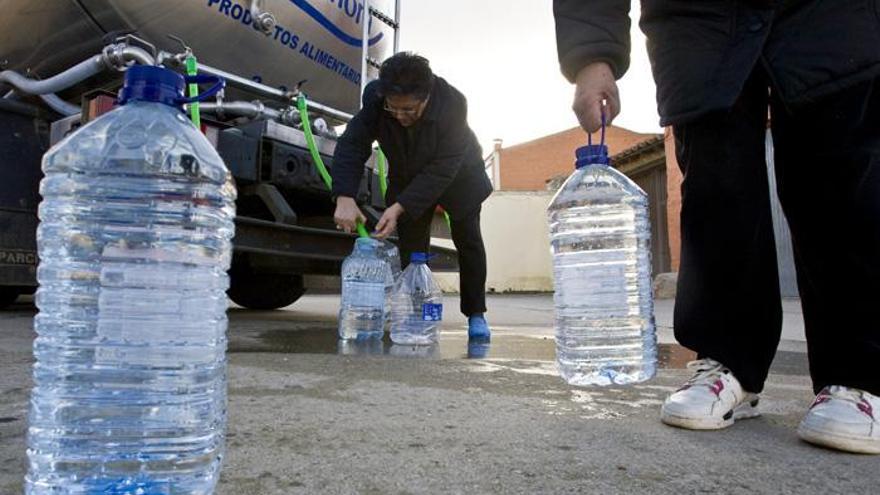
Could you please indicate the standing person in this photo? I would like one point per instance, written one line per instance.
(718, 66)
(420, 121)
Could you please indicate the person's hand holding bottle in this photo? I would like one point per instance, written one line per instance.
(595, 85)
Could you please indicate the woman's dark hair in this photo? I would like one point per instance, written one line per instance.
(406, 74)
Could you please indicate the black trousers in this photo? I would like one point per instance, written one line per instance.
(415, 236)
(827, 162)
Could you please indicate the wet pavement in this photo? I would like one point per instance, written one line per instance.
(308, 414)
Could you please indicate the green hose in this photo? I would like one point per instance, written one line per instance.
(316, 156)
(192, 69)
(383, 173)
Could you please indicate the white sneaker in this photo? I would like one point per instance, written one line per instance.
(711, 400)
(843, 418)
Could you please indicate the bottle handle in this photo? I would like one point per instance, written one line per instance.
(602, 135)
(219, 83)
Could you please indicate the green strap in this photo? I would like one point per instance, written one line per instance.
(192, 69)
(316, 156)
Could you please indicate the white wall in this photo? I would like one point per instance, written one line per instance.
(514, 228)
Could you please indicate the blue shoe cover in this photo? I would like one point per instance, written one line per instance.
(478, 328)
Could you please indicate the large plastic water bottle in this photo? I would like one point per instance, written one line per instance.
(365, 276)
(134, 242)
(417, 305)
(600, 238)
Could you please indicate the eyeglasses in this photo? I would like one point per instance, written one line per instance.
(404, 111)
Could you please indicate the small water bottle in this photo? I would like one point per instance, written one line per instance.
(365, 276)
(134, 241)
(417, 305)
(600, 241)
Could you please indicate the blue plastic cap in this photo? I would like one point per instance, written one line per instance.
(420, 258)
(152, 83)
(595, 154)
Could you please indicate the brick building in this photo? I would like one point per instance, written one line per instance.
(529, 166)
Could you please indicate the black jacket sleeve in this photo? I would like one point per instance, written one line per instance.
(431, 182)
(354, 147)
(590, 31)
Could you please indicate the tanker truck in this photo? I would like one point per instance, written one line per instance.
(62, 62)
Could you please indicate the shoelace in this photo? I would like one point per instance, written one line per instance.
(845, 393)
(861, 399)
(706, 372)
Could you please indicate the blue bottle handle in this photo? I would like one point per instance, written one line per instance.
(219, 83)
(602, 138)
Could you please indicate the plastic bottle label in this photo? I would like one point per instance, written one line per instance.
(368, 294)
(432, 312)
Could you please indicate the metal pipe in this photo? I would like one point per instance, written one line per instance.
(245, 83)
(254, 110)
(262, 21)
(397, 28)
(365, 47)
(116, 56)
(79, 72)
(330, 112)
(269, 91)
(59, 105)
(138, 55)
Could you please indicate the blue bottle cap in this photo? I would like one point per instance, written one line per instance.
(595, 154)
(152, 83)
(420, 258)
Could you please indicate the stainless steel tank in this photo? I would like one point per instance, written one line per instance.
(314, 40)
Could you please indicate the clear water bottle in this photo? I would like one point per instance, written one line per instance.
(389, 252)
(365, 276)
(417, 305)
(600, 240)
(134, 241)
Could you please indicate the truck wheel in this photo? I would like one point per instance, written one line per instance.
(8, 295)
(264, 290)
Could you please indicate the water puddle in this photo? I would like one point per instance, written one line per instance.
(453, 345)
(317, 338)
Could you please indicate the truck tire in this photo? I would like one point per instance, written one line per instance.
(8, 295)
(264, 290)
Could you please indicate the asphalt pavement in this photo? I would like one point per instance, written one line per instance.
(310, 415)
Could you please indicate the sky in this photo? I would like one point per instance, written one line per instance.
(502, 55)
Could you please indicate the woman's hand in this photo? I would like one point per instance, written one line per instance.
(388, 223)
(347, 214)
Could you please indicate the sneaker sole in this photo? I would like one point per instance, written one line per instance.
(838, 442)
(745, 410)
